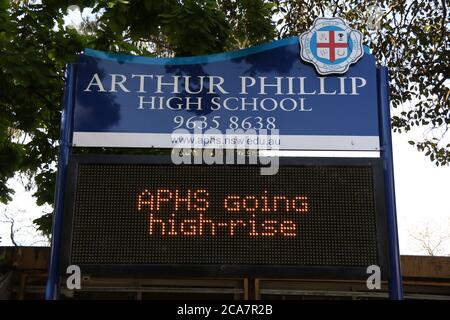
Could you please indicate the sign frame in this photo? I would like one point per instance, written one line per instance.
(53, 286)
(230, 270)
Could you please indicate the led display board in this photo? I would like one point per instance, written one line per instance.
(145, 215)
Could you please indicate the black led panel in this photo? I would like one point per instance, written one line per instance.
(146, 215)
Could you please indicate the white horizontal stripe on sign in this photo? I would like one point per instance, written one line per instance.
(320, 153)
(283, 142)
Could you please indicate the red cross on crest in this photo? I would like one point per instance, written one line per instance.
(334, 42)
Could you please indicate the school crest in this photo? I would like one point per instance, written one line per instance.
(331, 46)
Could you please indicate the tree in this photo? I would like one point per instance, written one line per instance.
(35, 46)
(22, 231)
(412, 41)
(7, 218)
(432, 239)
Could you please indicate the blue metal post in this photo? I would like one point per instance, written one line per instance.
(52, 289)
(395, 281)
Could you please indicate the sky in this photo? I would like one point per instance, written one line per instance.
(23, 210)
(422, 195)
(422, 192)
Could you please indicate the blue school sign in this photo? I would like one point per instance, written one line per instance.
(127, 101)
(320, 91)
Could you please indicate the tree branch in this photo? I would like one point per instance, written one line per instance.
(444, 19)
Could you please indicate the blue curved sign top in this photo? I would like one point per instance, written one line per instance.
(133, 101)
(197, 59)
